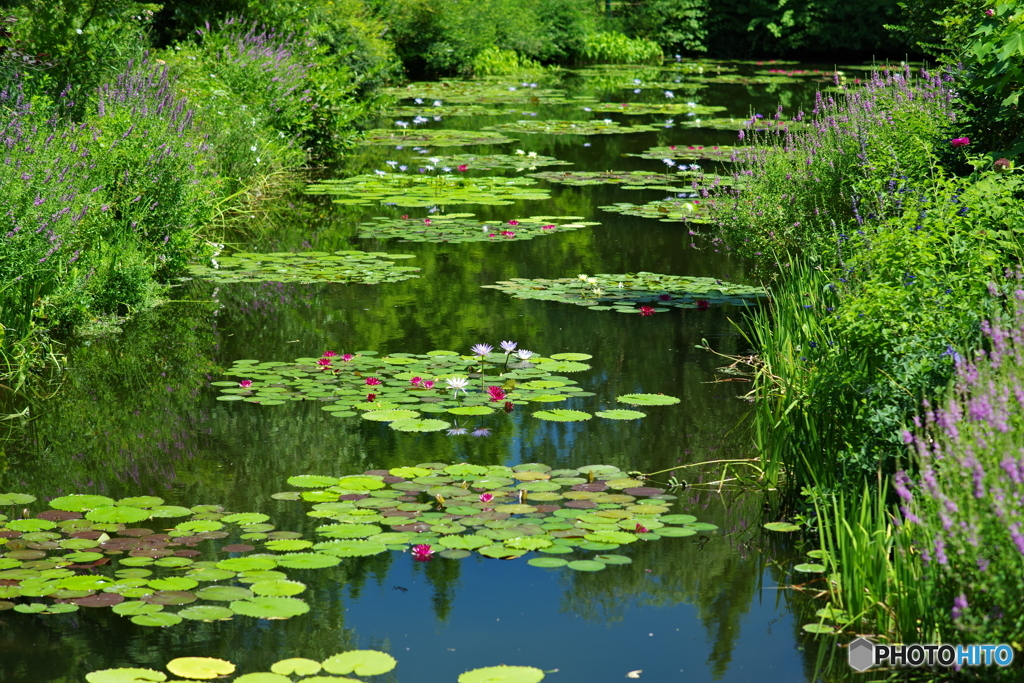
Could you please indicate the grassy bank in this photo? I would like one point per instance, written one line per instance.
(887, 384)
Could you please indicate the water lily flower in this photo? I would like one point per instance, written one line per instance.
(703, 304)
(486, 497)
(591, 280)
(641, 529)
(608, 121)
(523, 354)
(513, 222)
(324, 362)
(598, 291)
(646, 311)
(347, 357)
(668, 162)
(547, 227)
(482, 431)
(416, 381)
(664, 297)
(582, 277)
(621, 285)
(437, 103)
(245, 383)
(422, 552)
(694, 167)
(329, 354)
(463, 168)
(507, 233)
(960, 142)
(428, 384)
(587, 109)
(482, 349)
(446, 169)
(532, 155)
(496, 393)
(637, 91)
(457, 384)
(669, 94)
(372, 382)
(419, 119)
(418, 100)
(637, 81)
(403, 168)
(370, 398)
(392, 164)
(434, 160)
(508, 346)
(402, 124)
(426, 221)
(457, 431)
(519, 151)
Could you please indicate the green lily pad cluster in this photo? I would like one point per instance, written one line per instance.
(484, 91)
(670, 108)
(692, 152)
(417, 190)
(453, 110)
(562, 127)
(139, 573)
(627, 292)
(673, 210)
(431, 136)
(521, 161)
(461, 227)
(307, 267)
(495, 511)
(766, 123)
(302, 669)
(628, 180)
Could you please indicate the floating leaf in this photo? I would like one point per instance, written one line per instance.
(307, 561)
(206, 613)
(420, 425)
(434, 137)
(547, 562)
(202, 668)
(312, 481)
(16, 499)
(77, 502)
(117, 514)
(809, 567)
(270, 607)
(647, 399)
(621, 414)
(821, 629)
(125, 675)
(559, 415)
(360, 662)
(557, 127)
(502, 674)
(296, 665)
(278, 587)
(157, 620)
(782, 526)
(586, 565)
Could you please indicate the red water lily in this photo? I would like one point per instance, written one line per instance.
(422, 552)
(329, 354)
(496, 393)
(463, 168)
(646, 311)
(245, 383)
(703, 304)
(372, 381)
(324, 362)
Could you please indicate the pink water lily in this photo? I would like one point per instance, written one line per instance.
(641, 529)
(324, 362)
(245, 383)
(372, 381)
(486, 497)
(329, 354)
(416, 381)
(428, 384)
(370, 398)
(422, 552)
(347, 357)
(496, 393)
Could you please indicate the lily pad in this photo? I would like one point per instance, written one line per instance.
(202, 668)
(420, 425)
(125, 675)
(270, 607)
(434, 137)
(117, 514)
(647, 399)
(621, 414)
(205, 613)
(307, 268)
(360, 662)
(782, 526)
(563, 127)
(487, 162)
(299, 666)
(808, 567)
(559, 415)
(586, 565)
(502, 674)
(422, 190)
(81, 503)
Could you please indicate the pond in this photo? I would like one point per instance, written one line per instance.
(157, 410)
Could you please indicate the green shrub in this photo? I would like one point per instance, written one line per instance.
(616, 48)
(497, 62)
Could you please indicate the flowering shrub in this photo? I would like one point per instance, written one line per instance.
(966, 505)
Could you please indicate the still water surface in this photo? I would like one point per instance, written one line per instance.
(136, 414)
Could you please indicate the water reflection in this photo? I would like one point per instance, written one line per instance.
(136, 415)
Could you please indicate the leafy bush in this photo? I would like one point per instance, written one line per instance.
(617, 48)
(493, 61)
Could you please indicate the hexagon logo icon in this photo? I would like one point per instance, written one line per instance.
(861, 654)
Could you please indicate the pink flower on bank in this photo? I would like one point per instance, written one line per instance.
(486, 497)
(347, 357)
(372, 381)
(422, 552)
(245, 383)
(960, 142)
(329, 354)
(496, 393)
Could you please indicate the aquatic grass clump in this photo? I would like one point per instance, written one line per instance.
(965, 504)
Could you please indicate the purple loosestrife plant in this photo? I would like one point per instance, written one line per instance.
(966, 504)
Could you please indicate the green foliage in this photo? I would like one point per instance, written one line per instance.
(493, 61)
(618, 48)
(672, 24)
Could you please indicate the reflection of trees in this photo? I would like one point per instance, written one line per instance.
(717, 577)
